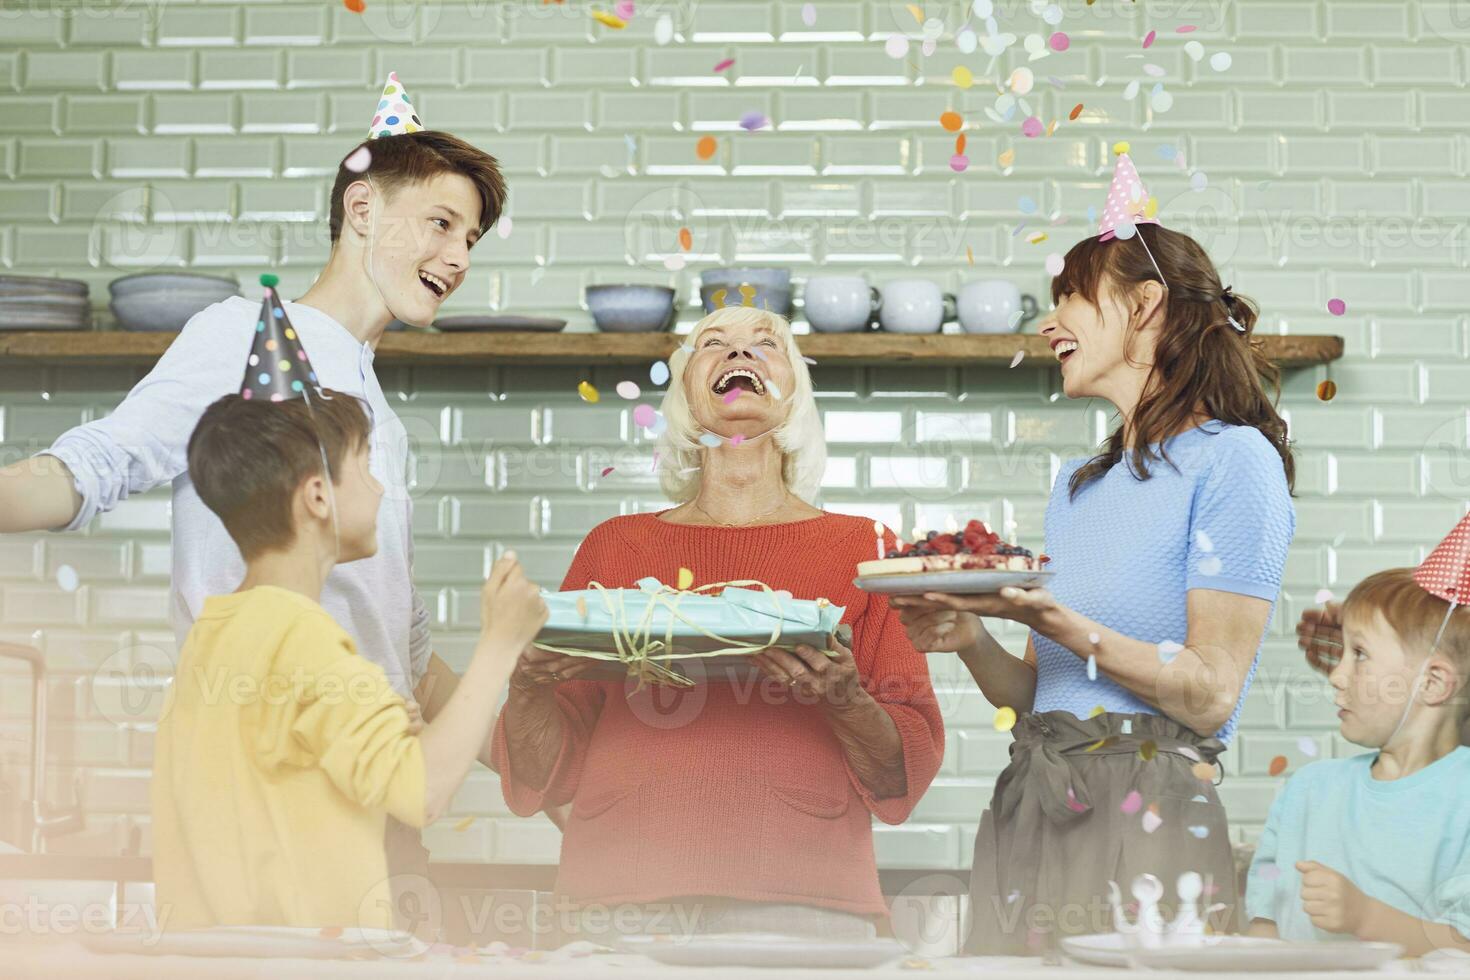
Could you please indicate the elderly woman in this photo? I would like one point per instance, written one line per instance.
(749, 807)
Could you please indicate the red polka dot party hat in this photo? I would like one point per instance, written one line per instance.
(1129, 202)
(395, 113)
(277, 368)
(1446, 572)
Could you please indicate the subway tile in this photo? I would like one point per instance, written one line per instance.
(197, 27)
(111, 25)
(153, 70)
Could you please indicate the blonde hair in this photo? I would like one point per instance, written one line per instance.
(800, 439)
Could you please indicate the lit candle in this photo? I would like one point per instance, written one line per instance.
(878, 530)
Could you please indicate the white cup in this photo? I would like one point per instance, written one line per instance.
(915, 306)
(840, 304)
(990, 306)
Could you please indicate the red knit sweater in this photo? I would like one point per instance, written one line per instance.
(730, 789)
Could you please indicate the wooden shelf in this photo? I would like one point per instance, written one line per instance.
(103, 346)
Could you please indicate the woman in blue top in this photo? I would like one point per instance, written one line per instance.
(1168, 549)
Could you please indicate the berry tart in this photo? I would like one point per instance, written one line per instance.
(974, 560)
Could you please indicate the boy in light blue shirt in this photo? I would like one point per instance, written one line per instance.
(1377, 847)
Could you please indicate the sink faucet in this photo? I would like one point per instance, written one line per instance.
(40, 823)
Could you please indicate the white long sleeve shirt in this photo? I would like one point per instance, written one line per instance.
(144, 443)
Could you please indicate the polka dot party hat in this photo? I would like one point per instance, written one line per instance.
(395, 114)
(277, 368)
(1129, 202)
(1446, 572)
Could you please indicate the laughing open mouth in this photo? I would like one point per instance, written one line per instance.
(742, 378)
(1065, 349)
(433, 283)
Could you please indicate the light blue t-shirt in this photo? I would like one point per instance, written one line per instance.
(1127, 551)
(1405, 842)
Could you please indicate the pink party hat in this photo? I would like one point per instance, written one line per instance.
(1446, 572)
(1129, 202)
(395, 114)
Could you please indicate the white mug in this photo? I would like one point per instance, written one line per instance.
(840, 304)
(915, 306)
(990, 306)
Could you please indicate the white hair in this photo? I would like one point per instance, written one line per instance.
(799, 437)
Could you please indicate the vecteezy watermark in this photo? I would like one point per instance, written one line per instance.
(133, 685)
(939, 18)
(35, 916)
(1446, 452)
(1447, 19)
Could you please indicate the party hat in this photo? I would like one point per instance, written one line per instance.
(277, 368)
(395, 114)
(1446, 572)
(1129, 203)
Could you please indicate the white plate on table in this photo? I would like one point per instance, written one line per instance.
(1219, 954)
(742, 949)
(258, 941)
(965, 581)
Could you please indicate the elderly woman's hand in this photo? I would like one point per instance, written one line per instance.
(832, 679)
(1030, 607)
(538, 671)
(1319, 634)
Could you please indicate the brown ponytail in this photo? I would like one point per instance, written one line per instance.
(1207, 357)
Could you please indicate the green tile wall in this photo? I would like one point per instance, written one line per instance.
(204, 134)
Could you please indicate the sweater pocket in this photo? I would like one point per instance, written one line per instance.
(806, 840)
(602, 849)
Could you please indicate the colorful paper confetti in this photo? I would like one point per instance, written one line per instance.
(1094, 639)
(686, 239)
(1074, 804)
(1006, 158)
(582, 606)
(628, 391)
(951, 120)
(809, 14)
(663, 30)
(1168, 650)
(609, 20)
(686, 578)
(1336, 306)
(706, 147)
(1151, 819)
(1059, 41)
(1148, 750)
(1091, 667)
(722, 65)
(1203, 771)
(1132, 803)
(1005, 719)
(659, 373)
(1031, 128)
(1277, 766)
(1200, 831)
(1307, 746)
(1019, 356)
(896, 46)
(962, 76)
(1148, 39)
(1076, 111)
(709, 439)
(588, 393)
(67, 579)
(752, 121)
(1055, 263)
(1323, 597)
(356, 6)
(359, 160)
(959, 163)
(1210, 565)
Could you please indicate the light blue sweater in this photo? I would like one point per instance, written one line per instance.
(1126, 552)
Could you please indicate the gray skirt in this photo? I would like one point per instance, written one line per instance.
(1056, 832)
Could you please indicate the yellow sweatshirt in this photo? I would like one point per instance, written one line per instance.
(278, 754)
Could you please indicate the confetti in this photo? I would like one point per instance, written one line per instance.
(1148, 750)
(1132, 803)
(67, 578)
(1336, 307)
(356, 6)
(752, 121)
(1127, 726)
(1006, 158)
(1323, 597)
(951, 121)
(1094, 639)
(1022, 81)
(464, 825)
(1198, 181)
(1017, 359)
(959, 143)
(503, 227)
(628, 390)
(1031, 128)
(1059, 41)
(1307, 745)
(1151, 819)
(1102, 743)
(1184, 29)
(1005, 719)
(1195, 50)
(966, 41)
(709, 439)
(607, 469)
(686, 578)
(609, 20)
(658, 373)
(736, 439)
(1200, 831)
(1055, 263)
(1161, 100)
(624, 9)
(1148, 39)
(1036, 237)
(959, 163)
(686, 239)
(1074, 804)
(331, 932)
(809, 14)
(809, 360)
(962, 76)
(706, 147)
(1097, 709)
(1091, 667)
(896, 46)
(1203, 771)
(721, 66)
(1268, 872)
(1209, 565)
(588, 393)
(1168, 650)
(1203, 542)
(1277, 766)
(644, 416)
(663, 30)
(1326, 390)
(1076, 111)
(358, 160)
(582, 606)
(774, 390)
(1220, 61)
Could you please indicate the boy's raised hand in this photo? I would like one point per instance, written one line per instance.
(512, 611)
(1333, 903)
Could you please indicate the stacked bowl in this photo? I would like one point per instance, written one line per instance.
(44, 303)
(165, 301)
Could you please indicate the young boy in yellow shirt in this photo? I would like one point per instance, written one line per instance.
(281, 751)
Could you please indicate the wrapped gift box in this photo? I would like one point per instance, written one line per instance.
(667, 635)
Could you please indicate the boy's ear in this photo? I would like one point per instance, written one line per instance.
(1444, 684)
(313, 498)
(357, 207)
